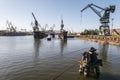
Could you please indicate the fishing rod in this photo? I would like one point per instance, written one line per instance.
(60, 74)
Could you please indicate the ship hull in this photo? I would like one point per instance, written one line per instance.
(63, 35)
(39, 35)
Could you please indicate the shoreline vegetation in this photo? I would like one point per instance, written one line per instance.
(111, 40)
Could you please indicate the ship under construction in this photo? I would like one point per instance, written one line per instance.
(63, 33)
(36, 32)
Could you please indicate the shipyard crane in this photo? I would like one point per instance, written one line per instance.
(35, 27)
(104, 18)
(46, 25)
(10, 26)
(52, 28)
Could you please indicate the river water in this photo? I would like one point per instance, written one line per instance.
(23, 58)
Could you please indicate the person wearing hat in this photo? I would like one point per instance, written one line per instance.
(90, 56)
(93, 56)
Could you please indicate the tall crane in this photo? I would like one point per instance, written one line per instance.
(52, 28)
(35, 27)
(104, 18)
(10, 26)
(62, 25)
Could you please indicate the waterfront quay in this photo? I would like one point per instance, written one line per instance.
(112, 40)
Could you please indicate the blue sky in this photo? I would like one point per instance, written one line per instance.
(50, 12)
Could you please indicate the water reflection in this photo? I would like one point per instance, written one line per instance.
(118, 48)
(37, 43)
(29, 59)
(103, 50)
(63, 44)
(82, 77)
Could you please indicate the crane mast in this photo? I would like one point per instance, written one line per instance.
(104, 18)
(35, 27)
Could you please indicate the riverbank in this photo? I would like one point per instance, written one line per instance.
(112, 40)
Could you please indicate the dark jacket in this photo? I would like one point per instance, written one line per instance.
(91, 57)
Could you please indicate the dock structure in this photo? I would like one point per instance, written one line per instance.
(113, 40)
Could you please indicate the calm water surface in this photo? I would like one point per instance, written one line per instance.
(23, 58)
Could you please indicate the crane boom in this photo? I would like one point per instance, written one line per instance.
(96, 11)
(36, 22)
(35, 28)
(34, 16)
(86, 7)
(98, 7)
(104, 18)
(10, 26)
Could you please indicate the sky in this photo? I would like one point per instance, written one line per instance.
(50, 11)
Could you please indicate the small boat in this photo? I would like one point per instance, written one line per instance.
(49, 39)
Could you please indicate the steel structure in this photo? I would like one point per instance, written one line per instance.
(104, 17)
(35, 27)
(10, 26)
